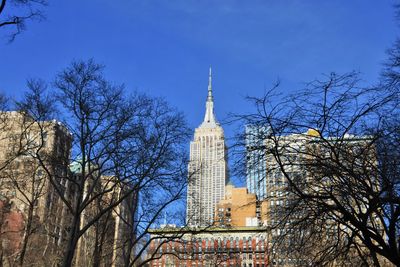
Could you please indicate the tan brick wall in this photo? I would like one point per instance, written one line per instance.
(236, 207)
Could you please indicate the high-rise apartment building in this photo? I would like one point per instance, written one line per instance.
(207, 168)
(34, 220)
(27, 198)
(308, 162)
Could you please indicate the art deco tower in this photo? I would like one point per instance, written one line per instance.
(207, 168)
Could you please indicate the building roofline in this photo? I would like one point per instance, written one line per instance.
(191, 230)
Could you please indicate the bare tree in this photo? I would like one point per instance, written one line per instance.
(23, 181)
(136, 141)
(128, 166)
(332, 172)
(14, 14)
(32, 182)
(3, 126)
(3, 102)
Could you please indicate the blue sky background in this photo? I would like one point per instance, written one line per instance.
(165, 47)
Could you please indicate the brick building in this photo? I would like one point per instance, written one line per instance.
(237, 246)
(238, 209)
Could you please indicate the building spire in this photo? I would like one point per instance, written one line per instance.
(209, 118)
(209, 97)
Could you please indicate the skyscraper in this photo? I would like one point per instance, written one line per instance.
(256, 163)
(207, 168)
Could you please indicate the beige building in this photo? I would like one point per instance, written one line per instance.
(25, 187)
(34, 221)
(207, 168)
(237, 209)
(289, 219)
(110, 240)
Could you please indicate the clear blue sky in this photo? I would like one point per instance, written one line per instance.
(165, 47)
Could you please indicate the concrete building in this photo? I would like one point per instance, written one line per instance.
(207, 168)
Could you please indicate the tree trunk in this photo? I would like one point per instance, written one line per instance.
(97, 251)
(72, 242)
(26, 236)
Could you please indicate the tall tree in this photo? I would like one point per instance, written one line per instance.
(132, 145)
(23, 181)
(333, 151)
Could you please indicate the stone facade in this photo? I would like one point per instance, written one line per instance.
(28, 197)
(34, 219)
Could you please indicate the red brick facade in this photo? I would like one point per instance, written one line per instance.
(217, 248)
(12, 225)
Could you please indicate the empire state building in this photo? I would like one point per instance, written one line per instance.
(207, 168)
